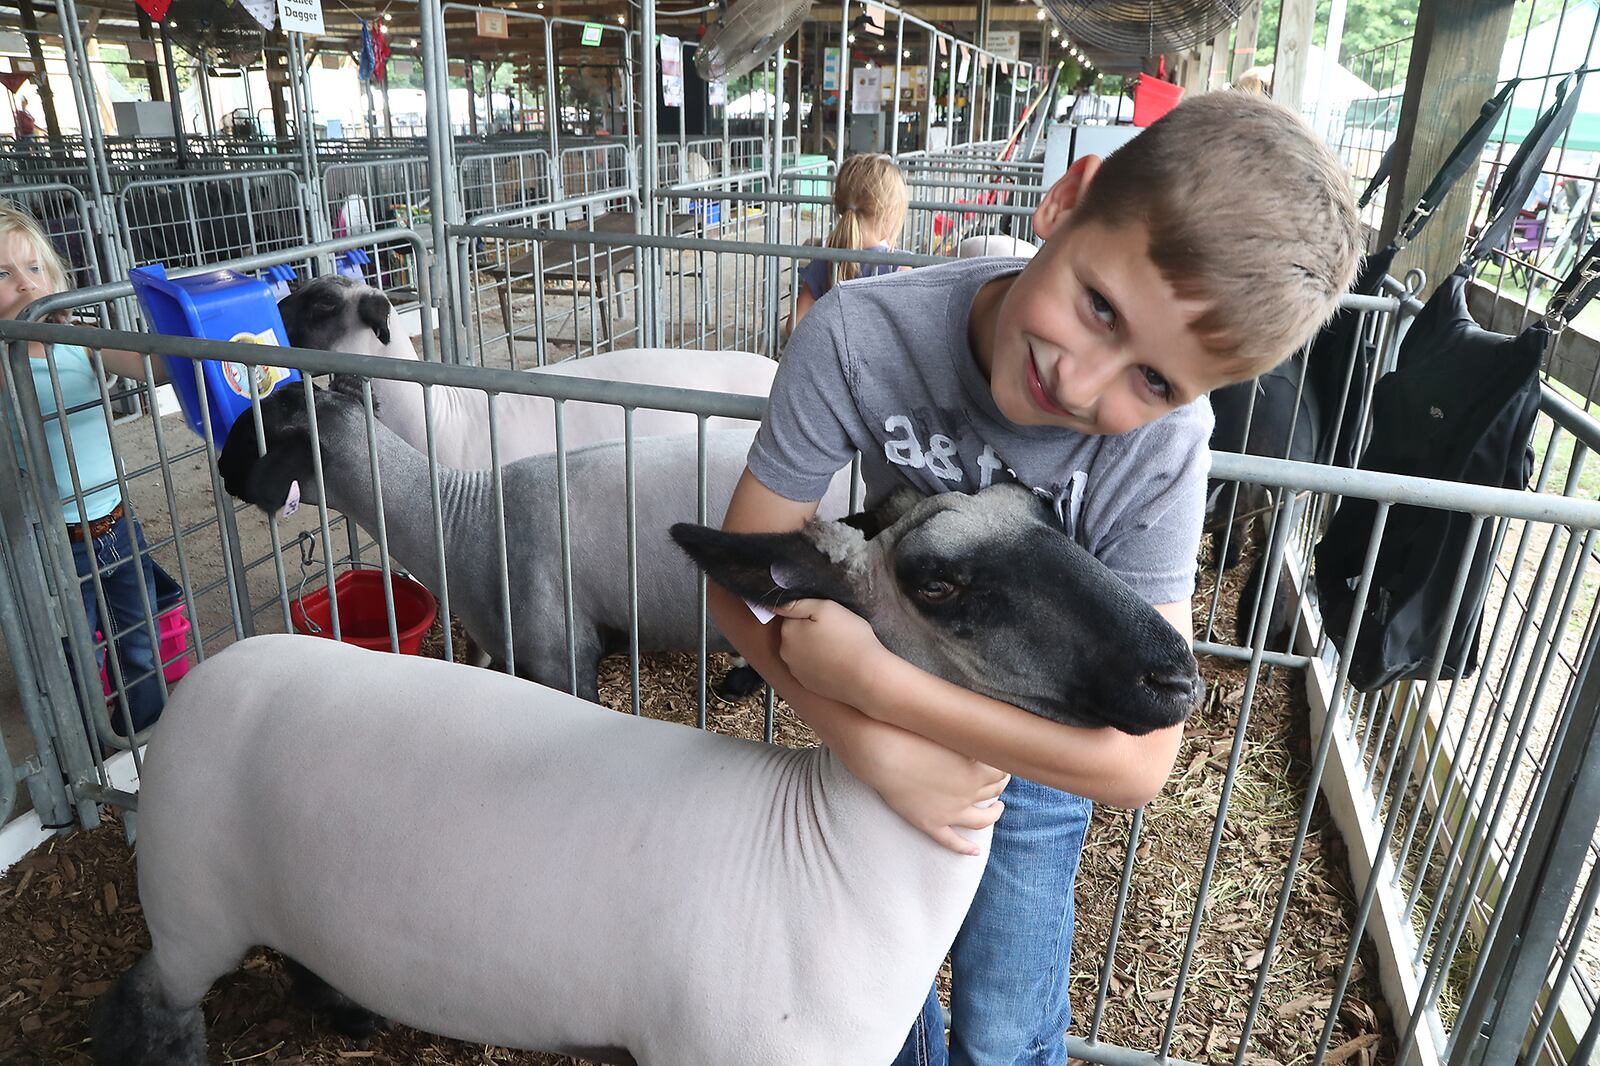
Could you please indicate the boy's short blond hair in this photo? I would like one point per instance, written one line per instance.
(1248, 214)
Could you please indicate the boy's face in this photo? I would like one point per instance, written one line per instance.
(23, 278)
(1090, 336)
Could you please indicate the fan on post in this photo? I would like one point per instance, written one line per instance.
(214, 29)
(1143, 27)
(746, 35)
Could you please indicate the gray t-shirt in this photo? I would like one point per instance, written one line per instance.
(883, 366)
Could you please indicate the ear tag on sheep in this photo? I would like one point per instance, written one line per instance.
(762, 614)
(292, 504)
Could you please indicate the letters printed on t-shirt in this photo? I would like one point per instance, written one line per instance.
(940, 458)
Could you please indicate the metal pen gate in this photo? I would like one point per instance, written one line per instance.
(251, 589)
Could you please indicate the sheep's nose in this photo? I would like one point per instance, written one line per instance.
(1178, 685)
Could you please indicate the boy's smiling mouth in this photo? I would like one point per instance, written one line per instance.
(1041, 395)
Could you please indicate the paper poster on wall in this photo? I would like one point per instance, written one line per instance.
(717, 93)
(301, 16)
(671, 71)
(830, 69)
(886, 82)
(493, 24)
(866, 96)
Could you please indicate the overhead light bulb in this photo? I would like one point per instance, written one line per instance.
(907, 53)
(1054, 32)
(1039, 14)
(852, 38)
(388, 17)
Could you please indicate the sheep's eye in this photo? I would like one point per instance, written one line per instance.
(936, 591)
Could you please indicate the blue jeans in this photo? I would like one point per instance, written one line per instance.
(128, 579)
(1009, 964)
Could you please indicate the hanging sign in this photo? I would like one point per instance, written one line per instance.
(301, 16)
(263, 11)
(1006, 44)
(156, 9)
(592, 32)
(400, 68)
(141, 52)
(830, 69)
(966, 59)
(717, 93)
(671, 71)
(874, 19)
(944, 46)
(331, 61)
(493, 24)
(866, 95)
(14, 80)
(12, 42)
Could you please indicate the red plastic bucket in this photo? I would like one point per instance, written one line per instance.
(1153, 98)
(362, 620)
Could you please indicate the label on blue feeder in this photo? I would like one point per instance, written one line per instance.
(226, 306)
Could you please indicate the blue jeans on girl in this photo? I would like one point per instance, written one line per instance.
(1009, 964)
(127, 578)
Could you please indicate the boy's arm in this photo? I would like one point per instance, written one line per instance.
(931, 787)
(835, 651)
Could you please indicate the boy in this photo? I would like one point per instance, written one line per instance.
(1202, 253)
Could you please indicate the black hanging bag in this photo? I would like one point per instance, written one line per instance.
(1459, 406)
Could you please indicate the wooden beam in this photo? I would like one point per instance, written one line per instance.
(1292, 60)
(1455, 64)
(152, 71)
(47, 98)
(1244, 40)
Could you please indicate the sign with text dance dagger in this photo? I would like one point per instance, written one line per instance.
(301, 16)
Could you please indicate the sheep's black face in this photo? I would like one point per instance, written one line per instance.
(996, 597)
(267, 479)
(337, 314)
(984, 591)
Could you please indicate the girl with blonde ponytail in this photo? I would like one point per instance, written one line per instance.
(869, 203)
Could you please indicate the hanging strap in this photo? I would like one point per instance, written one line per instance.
(1379, 176)
(1463, 158)
(1522, 172)
(1577, 289)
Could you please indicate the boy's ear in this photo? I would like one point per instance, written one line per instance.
(1064, 195)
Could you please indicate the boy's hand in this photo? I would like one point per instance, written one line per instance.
(935, 789)
(829, 649)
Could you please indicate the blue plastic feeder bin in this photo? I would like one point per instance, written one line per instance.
(220, 306)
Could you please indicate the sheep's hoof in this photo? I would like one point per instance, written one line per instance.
(132, 1024)
(738, 683)
(346, 1016)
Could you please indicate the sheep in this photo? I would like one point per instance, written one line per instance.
(1280, 422)
(620, 888)
(337, 313)
(536, 648)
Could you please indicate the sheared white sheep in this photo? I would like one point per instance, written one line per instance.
(491, 860)
(340, 314)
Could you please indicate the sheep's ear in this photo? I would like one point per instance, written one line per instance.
(372, 308)
(890, 510)
(767, 568)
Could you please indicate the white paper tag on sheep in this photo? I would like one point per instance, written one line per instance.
(292, 504)
(762, 614)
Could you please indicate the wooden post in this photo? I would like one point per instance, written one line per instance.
(1455, 60)
(1292, 61)
(47, 99)
(152, 71)
(1244, 40)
